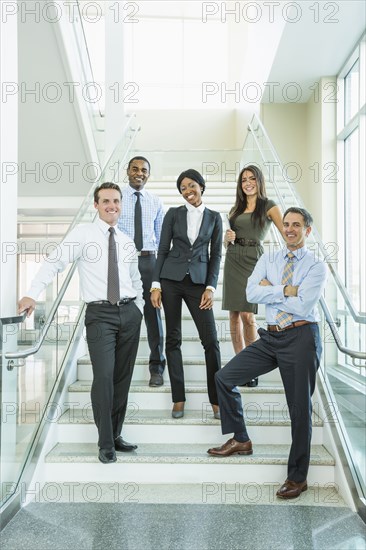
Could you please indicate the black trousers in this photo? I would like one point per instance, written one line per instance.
(173, 294)
(112, 334)
(152, 316)
(296, 352)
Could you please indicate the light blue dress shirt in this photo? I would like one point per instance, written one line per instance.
(152, 216)
(309, 275)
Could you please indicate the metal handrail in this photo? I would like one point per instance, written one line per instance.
(355, 314)
(329, 318)
(31, 351)
(34, 349)
(85, 43)
(16, 320)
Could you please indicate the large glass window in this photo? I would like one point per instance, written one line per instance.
(352, 92)
(351, 195)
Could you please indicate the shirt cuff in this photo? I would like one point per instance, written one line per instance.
(155, 284)
(210, 288)
(278, 295)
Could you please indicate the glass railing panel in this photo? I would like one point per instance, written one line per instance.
(113, 171)
(87, 70)
(215, 164)
(26, 389)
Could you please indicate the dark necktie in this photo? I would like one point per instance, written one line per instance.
(113, 277)
(283, 318)
(138, 223)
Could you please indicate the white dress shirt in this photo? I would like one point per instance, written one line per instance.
(194, 220)
(152, 213)
(88, 244)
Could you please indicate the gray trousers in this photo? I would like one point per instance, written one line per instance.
(296, 352)
(112, 334)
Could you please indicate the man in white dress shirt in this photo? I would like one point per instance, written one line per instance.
(107, 265)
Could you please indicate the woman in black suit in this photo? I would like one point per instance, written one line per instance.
(187, 268)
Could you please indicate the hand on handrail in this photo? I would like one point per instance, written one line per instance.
(26, 304)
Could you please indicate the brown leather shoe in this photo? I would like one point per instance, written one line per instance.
(291, 489)
(232, 447)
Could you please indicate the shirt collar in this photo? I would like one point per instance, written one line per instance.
(131, 190)
(104, 226)
(192, 208)
(299, 253)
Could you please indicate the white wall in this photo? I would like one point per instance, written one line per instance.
(49, 133)
(8, 162)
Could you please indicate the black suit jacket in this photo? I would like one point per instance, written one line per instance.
(173, 262)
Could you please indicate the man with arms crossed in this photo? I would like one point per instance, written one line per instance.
(290, 283)
(111, 286)
(141, 219)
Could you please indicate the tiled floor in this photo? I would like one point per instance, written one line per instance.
(134, 526)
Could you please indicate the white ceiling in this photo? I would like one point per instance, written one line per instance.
(309, 50)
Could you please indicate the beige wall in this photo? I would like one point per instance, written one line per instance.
(304, 133)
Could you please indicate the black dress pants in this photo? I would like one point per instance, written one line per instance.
(112, 334)
(296, 352)
(173, 294)
(152, 316)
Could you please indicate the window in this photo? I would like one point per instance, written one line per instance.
(351, 194)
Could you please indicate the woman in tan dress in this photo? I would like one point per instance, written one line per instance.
(250, 219)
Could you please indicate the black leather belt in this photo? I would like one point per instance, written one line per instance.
(246, 242)
(277, 328)
(121, 302)
(146, 253)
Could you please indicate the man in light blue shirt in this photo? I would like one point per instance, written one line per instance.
(146, 234)
(289, 283)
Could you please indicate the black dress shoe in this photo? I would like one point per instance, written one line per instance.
(122, 446)
(156, 380)
(252, 384)
(107, 457)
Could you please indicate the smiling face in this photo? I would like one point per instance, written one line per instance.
(191, 191)
(295, 230)
(249, 184)
(138, 173)
(109, 205)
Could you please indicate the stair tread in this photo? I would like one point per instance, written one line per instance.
(85, 360)
(184, 453)
(135, 415)
(141, 386)
(232, 494)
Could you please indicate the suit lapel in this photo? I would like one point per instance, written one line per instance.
(183, 222)
(205, 225)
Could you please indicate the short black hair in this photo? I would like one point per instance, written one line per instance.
(192, 175)
(138, 158)
(106, 185)
(308, 220)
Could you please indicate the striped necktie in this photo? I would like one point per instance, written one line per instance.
(113, 276)
(283, 318)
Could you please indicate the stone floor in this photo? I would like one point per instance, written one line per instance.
(135, 526)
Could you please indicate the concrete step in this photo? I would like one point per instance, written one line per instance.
(265, 426)
(194, 369)
(180, 463)
(191, 345)
(237, 493)
(268, 397)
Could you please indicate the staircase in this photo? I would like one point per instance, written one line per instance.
(171, 463)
